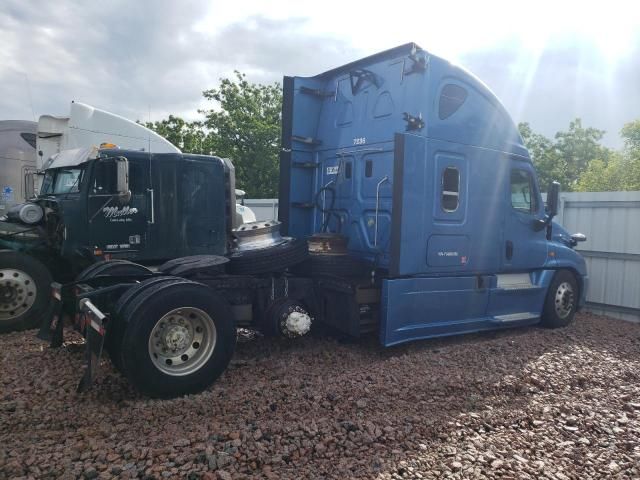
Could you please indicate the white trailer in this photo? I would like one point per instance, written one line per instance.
(17, 159)
(87, 126)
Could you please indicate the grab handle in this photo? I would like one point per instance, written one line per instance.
(152, 220)
(375, 232)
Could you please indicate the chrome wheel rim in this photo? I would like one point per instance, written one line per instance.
(182, 341)
(564, 300)
(17, 293)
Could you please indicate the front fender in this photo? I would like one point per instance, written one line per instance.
(563, 257)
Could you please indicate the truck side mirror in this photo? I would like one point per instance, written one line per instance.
(241, 194)
(122, 182)
(553, 196)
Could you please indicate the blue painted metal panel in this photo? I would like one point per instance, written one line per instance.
(507, 301)
(568, 258)
(418, 213)
(529, 247)
(411, 204)
(448, 250)
(415, 308)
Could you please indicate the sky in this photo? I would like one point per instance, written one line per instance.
(548, 61)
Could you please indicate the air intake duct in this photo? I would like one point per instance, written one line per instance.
(27, 213)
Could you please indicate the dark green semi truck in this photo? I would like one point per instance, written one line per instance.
(107, 208)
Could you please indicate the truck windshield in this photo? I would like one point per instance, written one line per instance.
(61, 180)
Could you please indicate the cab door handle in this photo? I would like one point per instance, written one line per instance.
(508, 251)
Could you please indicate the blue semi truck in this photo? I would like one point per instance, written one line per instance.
(425, 173)
(409, 207)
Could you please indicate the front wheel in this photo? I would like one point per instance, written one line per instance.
(178, 340)
(25, 291)
(562, 300)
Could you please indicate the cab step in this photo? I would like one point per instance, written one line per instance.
(515, 317)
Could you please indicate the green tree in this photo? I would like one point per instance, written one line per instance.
(245, 127)
(578, 147)
(549, 165)
(621, 171)
(190, 137)
(567, 156)
(631, 135)
(600, 176)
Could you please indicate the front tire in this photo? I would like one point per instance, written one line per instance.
(179, 339)
(562, 300)
(25, 291)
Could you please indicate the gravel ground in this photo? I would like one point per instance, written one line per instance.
(525, 403)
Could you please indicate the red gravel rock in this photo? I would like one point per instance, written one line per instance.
(525, 403)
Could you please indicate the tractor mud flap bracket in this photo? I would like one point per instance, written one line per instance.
(95, 330)
(51, 329)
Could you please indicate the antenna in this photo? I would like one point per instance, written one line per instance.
(148, 128)
(33, 113)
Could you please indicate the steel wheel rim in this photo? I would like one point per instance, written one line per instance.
(182, 341)
(564, 300)
(17, 293)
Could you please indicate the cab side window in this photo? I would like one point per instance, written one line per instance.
(451, 99)
(105, 177)
(523, 194)
(450, 189)
(30, 138)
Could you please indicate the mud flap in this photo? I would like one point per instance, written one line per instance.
(95, 331)
(51, 329)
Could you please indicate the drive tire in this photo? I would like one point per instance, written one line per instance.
(111, 267)
(562, 300)
(159, 305)
(270, 259)
(33, 278)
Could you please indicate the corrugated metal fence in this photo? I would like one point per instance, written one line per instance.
(611, 222)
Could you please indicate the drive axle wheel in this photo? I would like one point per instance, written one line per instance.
(182, 341)
(113, 342)
(25, 291)
(179, 338)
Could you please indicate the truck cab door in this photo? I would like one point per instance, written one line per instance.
(516, 295)
(524, 246)
(119, 230)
